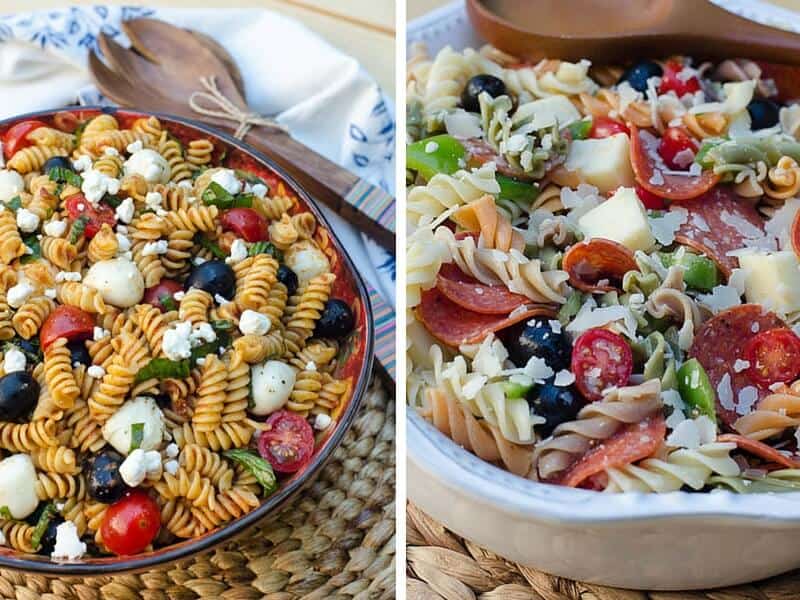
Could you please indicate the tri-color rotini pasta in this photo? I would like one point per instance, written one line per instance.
(170, 336)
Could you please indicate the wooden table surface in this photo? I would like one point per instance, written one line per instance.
(365, 29)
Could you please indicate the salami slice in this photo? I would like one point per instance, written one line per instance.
(653, 177)
(469, 293)
(718, 223)
(763, 451)
(480, 152)
(633, 442)
(719, 343)
(455, 325)
(592, 261)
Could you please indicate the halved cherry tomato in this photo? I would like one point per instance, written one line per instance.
(649, 199)
(79, 206)
(675, 141)
(16, 138)
(603, 127)
(160, 294)
(246, 223)
(774, 356)
(68, 322)
(288, 443)
(131, 524)
(600, 359)
(672, 82)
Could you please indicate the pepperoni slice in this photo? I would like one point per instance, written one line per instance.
(595, 260)
(720, 342)
(718, 223)
(469, 293)
(633, 442)
(650, 174)
(760, 449)
(455, 325)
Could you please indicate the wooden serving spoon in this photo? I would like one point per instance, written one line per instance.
(611, 31)
(162, 70)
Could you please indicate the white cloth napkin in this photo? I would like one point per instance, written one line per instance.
(324, 97)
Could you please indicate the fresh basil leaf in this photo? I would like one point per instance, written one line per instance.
(259, 467)
(62, 175)
(250, 178)
(5, 513)
(265, 248)
(79, 133)
(223, 341)
(78, 228)
(216, 195)
(14, 204)
(137, 436)
(47, 515)
(209, 245)
(112, 201)
(32, 242)
(242, 201)
(167, 302)
(163, 368)
(221, 325)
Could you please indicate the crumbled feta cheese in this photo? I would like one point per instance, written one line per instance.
(123, 243)
(238, 252)
(55, 228)
(154, 248)
(198, 260)
(171, 466)
(555, 325)
(18, 294)
(139, 465)
(149, 164)
(96, 185)
(124, 212)
(135, 147)
(14, 360)
(27, 221)
(68, 276)
(153, 200)
(311, 366)
(220, 299)
(68, 544)
(176, 343)
(172, 450)
(226, 178)
(82, 163)
(252, 322)
(98, 333)
(322, 422)
(259, 190)
(564, 378)
(109, 151)
(201, 361)
(179, 295)
(51, 293)
(96, 371)
(202, 333)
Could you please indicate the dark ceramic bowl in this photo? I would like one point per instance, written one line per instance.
(355, 357)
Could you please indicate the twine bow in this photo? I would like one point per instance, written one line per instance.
(228, 110)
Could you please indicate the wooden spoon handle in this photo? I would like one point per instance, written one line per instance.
(367, 206)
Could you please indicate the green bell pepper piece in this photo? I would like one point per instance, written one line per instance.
(700, 273)
(520, 192)
(514, 390)
(579, 130)
(696, 390)
(447, 155)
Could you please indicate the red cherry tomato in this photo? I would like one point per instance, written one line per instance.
(603, 127)
(600, 359)
(672, 82)
(16, 138)
(288, 443)
(131, 524)
(674, 141)
(649, 199)
(79, 206)
(246, 223)
(68, 322)
(158, 294)
(774, 356)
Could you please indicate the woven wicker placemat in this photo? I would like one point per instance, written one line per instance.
(440, 564)
(336, 541)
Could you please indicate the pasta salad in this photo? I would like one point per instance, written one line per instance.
(603, 279)
(171, 318)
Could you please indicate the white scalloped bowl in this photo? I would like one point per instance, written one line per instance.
(675, 541)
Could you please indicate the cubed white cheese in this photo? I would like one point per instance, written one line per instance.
(118, 280)
(11, 185)
(622, 218)
(142, 409)
(125, 210)
(176, 343)
(82, 163)
(150, 165)
(155, 248)
(238, 252)
(604, 163)
(259, 190)
(96, 185)
(18, 485)
(139, 465)
(18, 294)
(96, 371)
(68, 544)
(14, 360)
(68, 276)
(171, 466)
(98, 333)
(27, 221)
(272, 383)
(172, 450)
(226, 178)
(544, 113)
(306, 260)
(55, 228)
(772, 279)
(252, 322)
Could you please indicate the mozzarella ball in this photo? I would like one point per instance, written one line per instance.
(118, 280)
(150, 165)
(18, 485)
(307, 261)
(142, 409)
(272, 383)
(11, 185)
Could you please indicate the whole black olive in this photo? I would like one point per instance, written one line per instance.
(57, 162)
(478, 84)
(337, 320)
(48, 541)
(105, 482)
(19, 392)
(556, 404)
(763, 113)
(213, 276)
(163, 400)
(537, 338)
(639, 73)
(288, 278)
(79, 354)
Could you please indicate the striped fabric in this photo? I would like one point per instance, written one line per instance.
(373, 202)
(385, 328)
